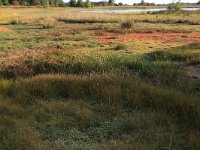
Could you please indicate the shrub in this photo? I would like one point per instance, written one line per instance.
(1, 2)
(5, 87)
(127, 24)
(120, 47)
(16, 21)
(48, 23)
(174, 6)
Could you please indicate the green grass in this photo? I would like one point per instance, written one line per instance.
(188, 54)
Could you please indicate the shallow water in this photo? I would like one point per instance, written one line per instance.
(136, 10)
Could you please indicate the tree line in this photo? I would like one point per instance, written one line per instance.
(71, 3)
(53, 3)
(79, 3)
(45, 3)
(88, 3)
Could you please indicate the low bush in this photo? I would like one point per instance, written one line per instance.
(48, 23)
(119, 47)
(174, 6)
(127, 24)
(16, 21)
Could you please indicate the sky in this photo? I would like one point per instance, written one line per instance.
(154, 1)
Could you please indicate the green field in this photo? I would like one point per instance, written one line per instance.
(71, 80)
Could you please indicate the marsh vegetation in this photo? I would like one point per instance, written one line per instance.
(72, 80)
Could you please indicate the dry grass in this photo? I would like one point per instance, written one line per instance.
(48, 22)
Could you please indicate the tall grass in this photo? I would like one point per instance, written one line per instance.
(87, 18)
(92, 110)
(111, 89)
(5, 87)
(173, 18)
(48, 22)
(25, 64)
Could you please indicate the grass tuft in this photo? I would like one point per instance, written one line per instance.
(127, 24)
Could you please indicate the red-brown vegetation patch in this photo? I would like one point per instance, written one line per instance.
(165, 37)
(105, 39)
(157, 36)
(3, 29)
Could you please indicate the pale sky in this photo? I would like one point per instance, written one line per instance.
(154, 1)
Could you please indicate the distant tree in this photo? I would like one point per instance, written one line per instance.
(1, 3)
(56, 2)
(36, 2)
(31, 2)
(42, 2)
(111, 2)
(142, 2)
(61, 3)
(120, 4)
(46, 4)
(6, 2)
(80, 3)
(87, 3)
(24, 2)
(52, 3)
(198, 3)
(175, 5)
(72, 3)
(15, 2)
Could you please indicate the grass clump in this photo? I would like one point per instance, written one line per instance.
(120, 47)
(87, 18)
(174, 6)
(16, 22)
(5, 87)
(48, 23)
(127, 24)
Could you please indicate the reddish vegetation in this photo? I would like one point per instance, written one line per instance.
(162, 37)
(165, 37)
(105, 39)
(3, 29)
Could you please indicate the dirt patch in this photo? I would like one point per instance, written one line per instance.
(3, 29)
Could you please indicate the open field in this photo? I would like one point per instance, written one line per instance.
(71, 80)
